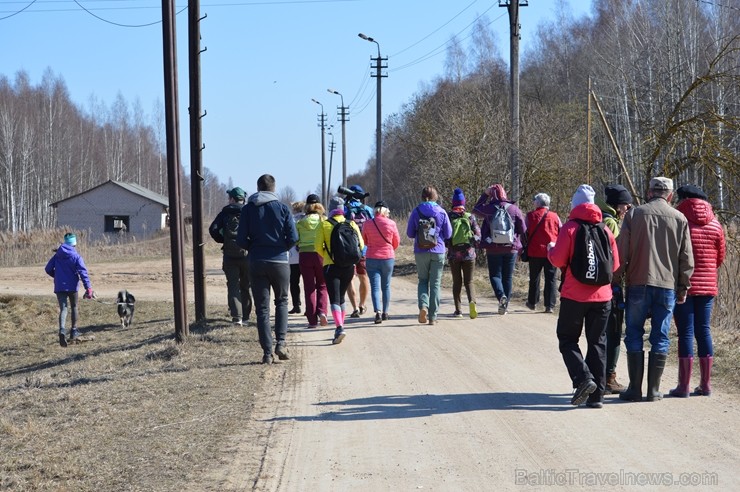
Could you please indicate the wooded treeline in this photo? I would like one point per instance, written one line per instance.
(51, 149)
(664, 72)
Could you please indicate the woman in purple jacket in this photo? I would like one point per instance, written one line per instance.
(430, 227)
(68, 268)
(501, 252)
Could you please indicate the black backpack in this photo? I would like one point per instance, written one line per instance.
(592, 262)
(426, 231)
(230, 229)
(344, 247)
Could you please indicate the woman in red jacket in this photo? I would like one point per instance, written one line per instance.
(543, 226)
(382, 239)
(583, 304)
(692, 317)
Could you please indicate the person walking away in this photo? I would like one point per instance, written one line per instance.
(430, 227)
(616, 203)
(338, 276)
(356, 211)
(311, 261)
(502, 230)
(584, 302)
(381, 237)
(267, 232)
(656, 279)
(67, 268)
(461, 253)
(543, 226)
(235, 265)
(693, 316)
(293, 259)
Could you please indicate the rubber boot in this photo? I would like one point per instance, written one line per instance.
(656, 364)
(705, 366)
(684, 378)
(635, 370)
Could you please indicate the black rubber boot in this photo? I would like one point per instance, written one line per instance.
(656, 364)
(636, 370)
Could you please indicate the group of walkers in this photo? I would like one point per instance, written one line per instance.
(620, 264)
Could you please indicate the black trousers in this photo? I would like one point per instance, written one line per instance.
(537, 265)
(295, 284)
(571, 321)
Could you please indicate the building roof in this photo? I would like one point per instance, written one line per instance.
(132, 187)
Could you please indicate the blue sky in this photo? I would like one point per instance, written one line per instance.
(264, 62)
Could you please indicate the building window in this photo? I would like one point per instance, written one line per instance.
(116, 223)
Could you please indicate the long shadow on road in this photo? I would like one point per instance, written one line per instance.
(413, 406)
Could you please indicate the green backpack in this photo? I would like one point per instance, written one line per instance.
(462, 231)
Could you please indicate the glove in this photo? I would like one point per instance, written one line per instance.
(618, 296)
(89, 294)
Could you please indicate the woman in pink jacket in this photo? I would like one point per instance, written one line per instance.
(382, 239)
(692, 317)
(581, 302)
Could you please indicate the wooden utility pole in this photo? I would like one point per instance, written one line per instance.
(513, 8)
(173, 170)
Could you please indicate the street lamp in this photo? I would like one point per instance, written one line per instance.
(343, 114)
(378, 129)
(323, 153)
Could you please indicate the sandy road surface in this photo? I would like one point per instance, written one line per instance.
(466, 405)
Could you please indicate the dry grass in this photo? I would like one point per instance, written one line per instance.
(130, 410)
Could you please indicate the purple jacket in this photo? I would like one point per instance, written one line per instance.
(67, 268)
(430, 209)
(485, 208)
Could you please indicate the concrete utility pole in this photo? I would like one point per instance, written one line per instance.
(196, 159)
(344, 118)
(513, 8)
(378, 118)
(172, 129)
(322, 123)
(332, 148)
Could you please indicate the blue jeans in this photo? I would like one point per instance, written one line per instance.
(64, 298)
(501, 273)
(429, 268)
(644, 300)
(263, 276)
(692, 320)
(379, 272)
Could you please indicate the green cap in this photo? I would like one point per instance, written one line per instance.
(237, 193)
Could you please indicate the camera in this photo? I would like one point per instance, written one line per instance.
(352, 193)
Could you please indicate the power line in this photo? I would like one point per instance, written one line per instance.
(18, 11)
(124, 25)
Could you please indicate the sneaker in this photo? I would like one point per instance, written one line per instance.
(385, 317)
(322, 319)
(433, 321)
(378, 318)
(282, 351)
(457, 314)
(363, 309)
(549, 310)
(339, 335)
(295, 310)
(355, 314)
(503, 304)
(595, 404)
(236, 321)
(267, 359)
(62, 340)
(473, 310)
(312, 327)
(74, 334)
(530, 306)
(582, 392)
(423, 316)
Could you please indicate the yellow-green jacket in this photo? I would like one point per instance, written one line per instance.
(327, 228)
(311, 234)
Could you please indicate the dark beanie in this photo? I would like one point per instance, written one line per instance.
(690, 191)
(616, 195)
(458, 198)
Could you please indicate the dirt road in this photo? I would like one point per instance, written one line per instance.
(465, 405)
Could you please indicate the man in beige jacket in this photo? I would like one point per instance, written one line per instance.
(657, 262)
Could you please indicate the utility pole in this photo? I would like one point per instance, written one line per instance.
(344, 118)
(378, 118)
(196, 159)
(172, 129)
(322, 123)
(513, 8)
(332, 146)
